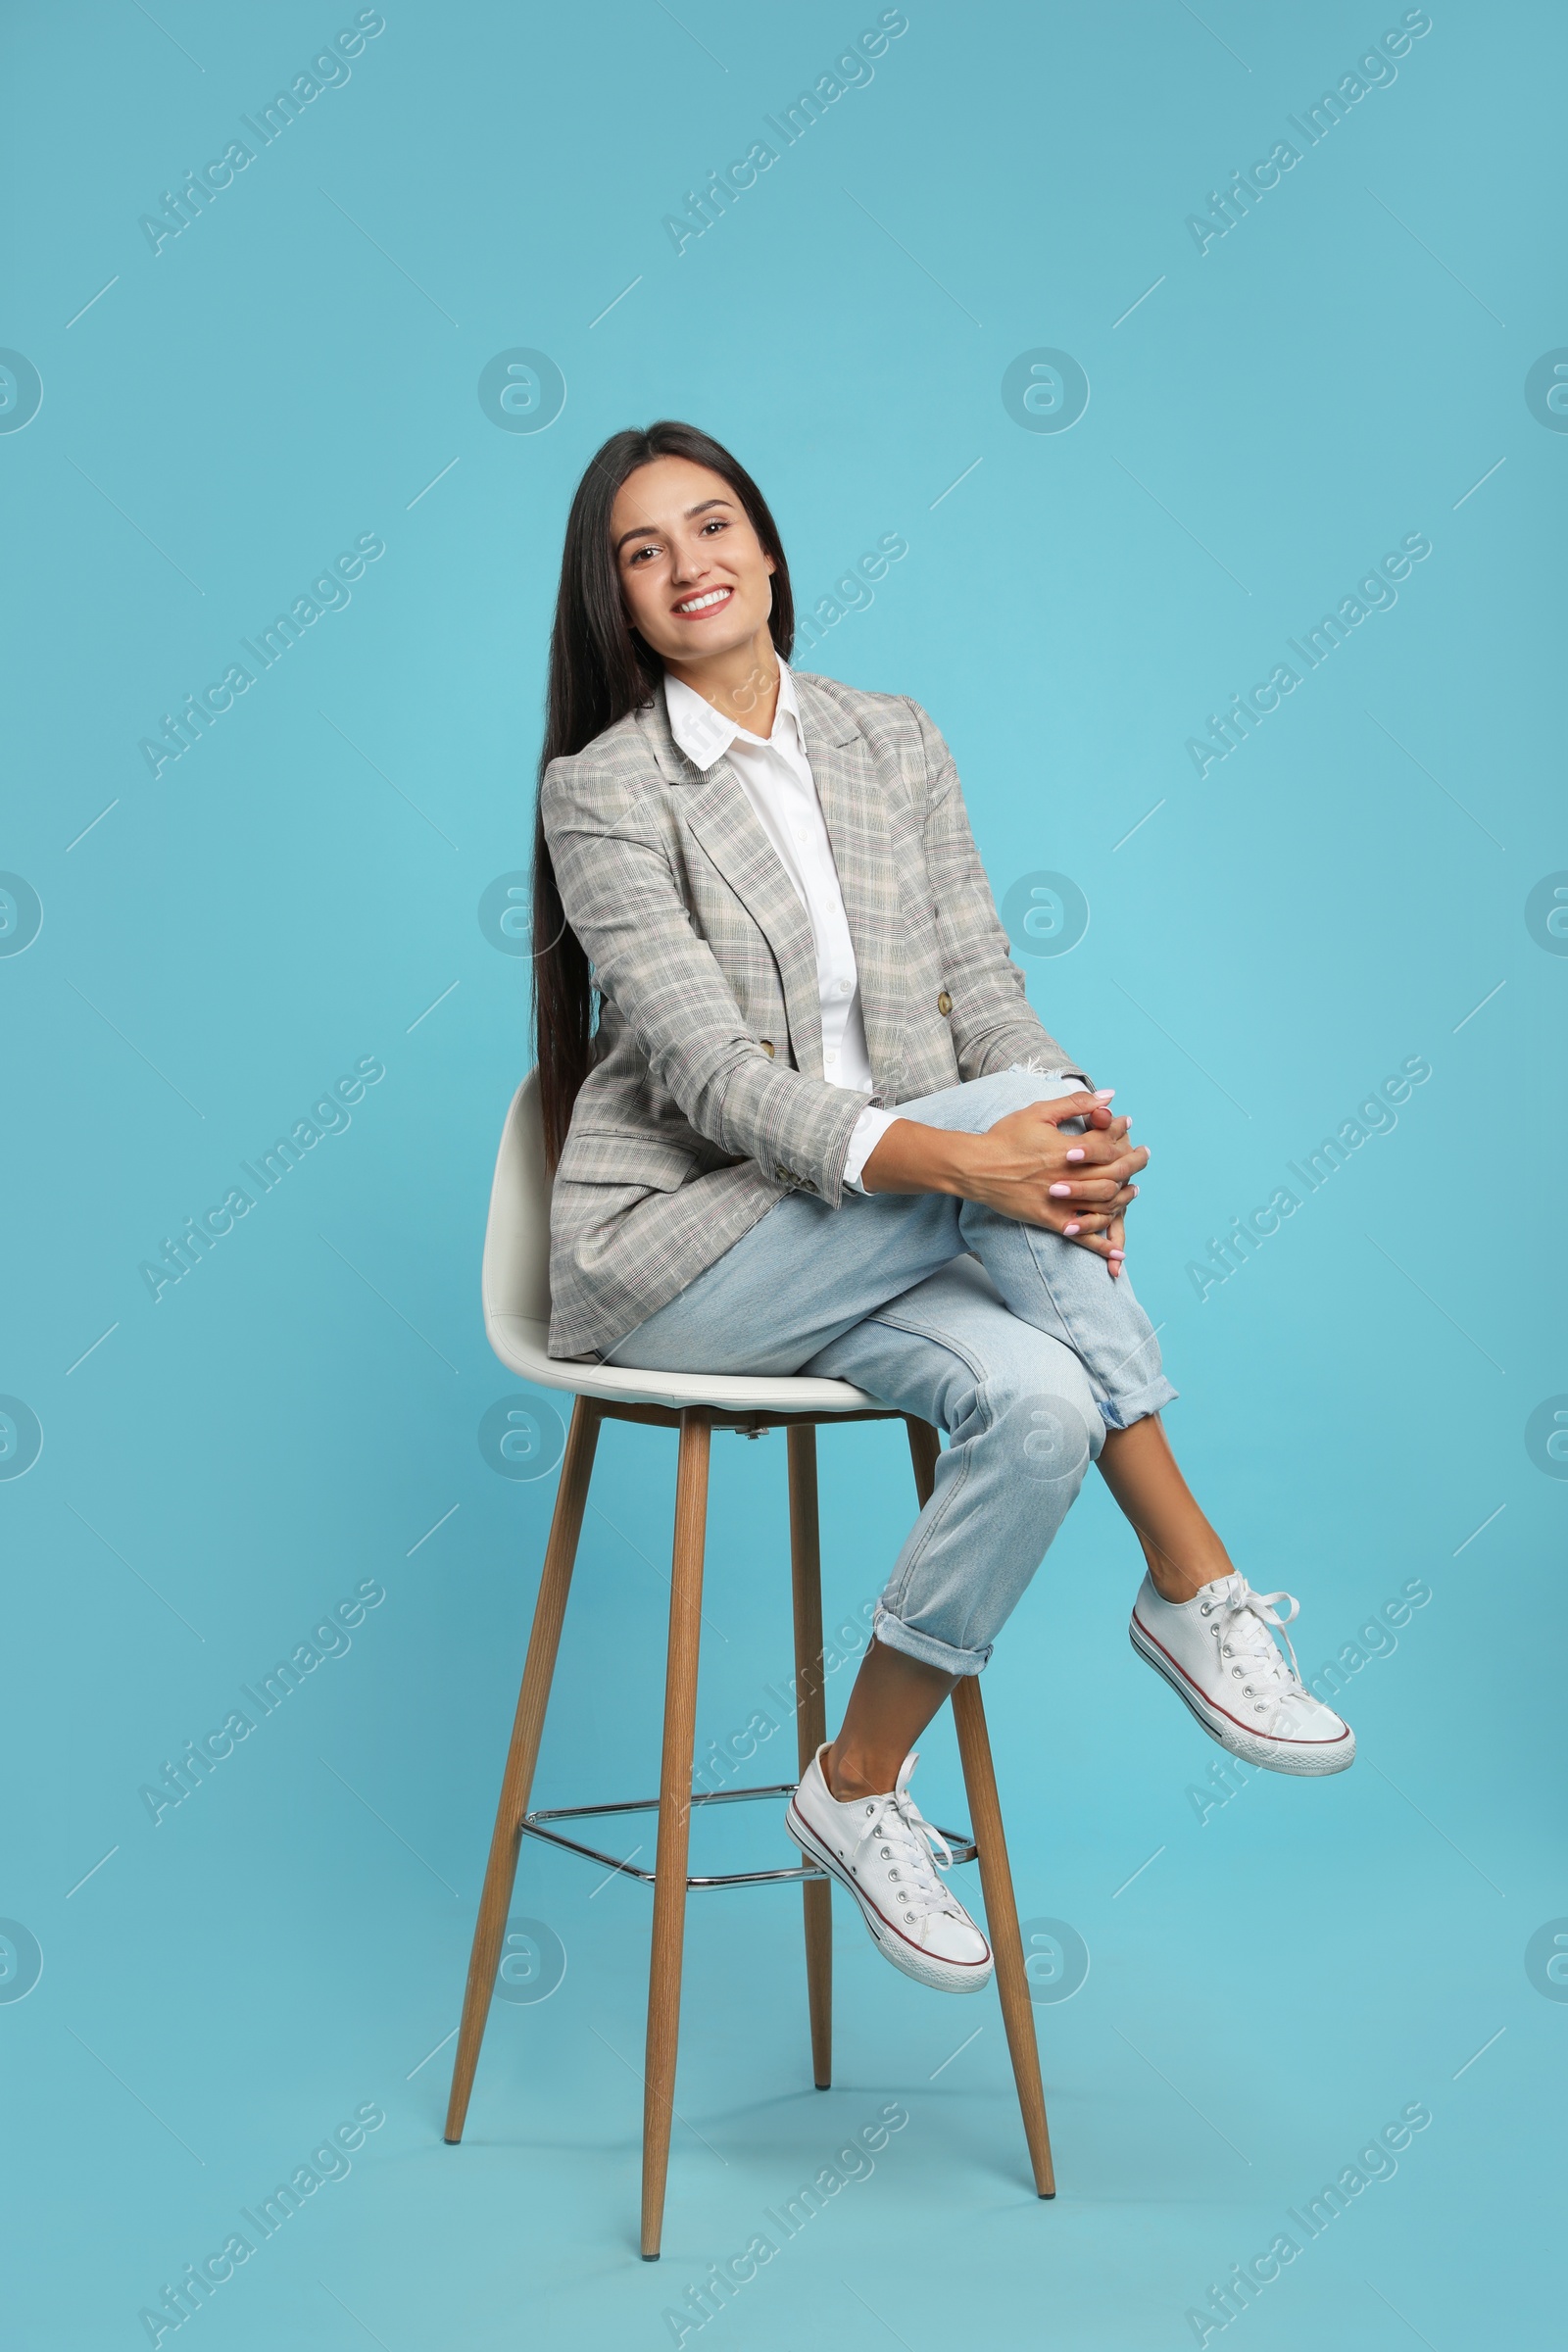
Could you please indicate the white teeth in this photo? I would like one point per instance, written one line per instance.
(700, 603)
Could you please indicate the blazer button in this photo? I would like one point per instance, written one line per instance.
(766, 1044)
(784, 1176)
(944, 1003)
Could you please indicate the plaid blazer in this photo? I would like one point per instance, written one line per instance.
(706, 1102)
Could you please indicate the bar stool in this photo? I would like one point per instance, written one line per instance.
(516, 1314)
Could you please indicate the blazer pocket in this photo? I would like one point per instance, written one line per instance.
(624, 1156)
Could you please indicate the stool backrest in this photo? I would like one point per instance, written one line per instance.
(516, 1241)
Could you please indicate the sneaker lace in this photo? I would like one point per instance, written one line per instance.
(1249, 1625)
(907, 1839)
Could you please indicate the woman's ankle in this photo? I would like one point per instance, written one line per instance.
(850, 1775)
(1182, 1584)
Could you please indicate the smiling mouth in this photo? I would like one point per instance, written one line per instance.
(710, 600)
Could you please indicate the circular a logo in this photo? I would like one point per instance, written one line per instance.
(521, 391)
(1056, 1959)
(1547, 391)
(1546, 1436)
(21, 914)
(21, 391)
(521, 1436)
(21, 1437)
(506, 914)
(1044, 914)
(1545, 914)
(1044, 391)
(533, 1961)
(21, 1960)
(1052, 1445)
(1546, 1959)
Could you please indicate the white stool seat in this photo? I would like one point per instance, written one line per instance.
(517, 1304)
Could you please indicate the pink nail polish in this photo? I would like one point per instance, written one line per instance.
(1070, 1230)
(1103, 1094)
(1072, 1155)
(1061, 1192)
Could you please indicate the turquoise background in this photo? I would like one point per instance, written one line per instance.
(300, 891)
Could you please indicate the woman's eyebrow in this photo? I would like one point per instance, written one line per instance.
(650, 530)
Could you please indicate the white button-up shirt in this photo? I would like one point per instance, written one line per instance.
(777, 778)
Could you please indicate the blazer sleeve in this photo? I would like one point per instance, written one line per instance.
(993, 1024)
(622, 898)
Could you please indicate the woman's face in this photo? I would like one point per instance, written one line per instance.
(695, 576)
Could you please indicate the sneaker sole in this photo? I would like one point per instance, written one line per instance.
(943, 1976)
(1307, 1760)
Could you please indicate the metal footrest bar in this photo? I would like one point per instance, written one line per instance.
(531, 1825)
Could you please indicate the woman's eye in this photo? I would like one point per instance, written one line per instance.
(715, 523)
(638, 552)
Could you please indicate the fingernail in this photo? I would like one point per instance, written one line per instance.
(1070, 1230)
(1061, 1192)
(1113, 1252)
(1103, 1094)
(1072, 1155)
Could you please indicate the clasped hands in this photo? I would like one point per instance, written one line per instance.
(1025, 1167)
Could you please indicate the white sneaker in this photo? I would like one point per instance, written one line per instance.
(1218, 1652)
(881, 1851)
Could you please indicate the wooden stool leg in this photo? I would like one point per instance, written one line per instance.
(1002, 1917)
(560, 1552)
(811, 1726)
(674, 1819)
(996, 1877)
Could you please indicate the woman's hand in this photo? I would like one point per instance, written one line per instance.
(1024, 1167)
(1077, 1185)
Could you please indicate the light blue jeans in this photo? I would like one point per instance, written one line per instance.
(1014, 1342)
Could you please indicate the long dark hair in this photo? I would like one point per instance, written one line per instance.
(600, 668)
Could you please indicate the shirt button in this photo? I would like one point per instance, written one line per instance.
(830, 1057)
(944, 1003)
(845, 987)
(766, 1044)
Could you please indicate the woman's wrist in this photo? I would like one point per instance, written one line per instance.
(914, 1158)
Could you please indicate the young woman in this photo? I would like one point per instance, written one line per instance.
(802, 1119)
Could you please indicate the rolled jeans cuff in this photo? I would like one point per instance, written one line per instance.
(1136, 1405)
(894, 1634)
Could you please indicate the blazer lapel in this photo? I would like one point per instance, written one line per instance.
(853, 805)
(715, 807)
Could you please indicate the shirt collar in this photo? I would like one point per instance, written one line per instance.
(704, 734)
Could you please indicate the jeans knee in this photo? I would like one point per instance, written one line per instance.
(1048, 1429)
